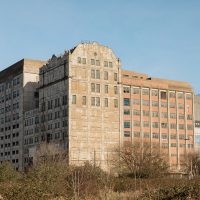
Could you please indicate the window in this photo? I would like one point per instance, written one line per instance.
(127, 124)
(136, 134)
(173, 115)
(126, 112)
(145, 112)
(172, 105)
(110, 64)
(182, 137)
(155, 124)
(155, 135)
(106, 89)
(145, 91)
(115, 90)
(97, 101)
(136, 101)
(105, 75)
(57, 114)
(98, 88)
(57, 102)
(164, 136)
(145, 102)
(181, 116)
(92, 87)
(116, 103)
(64, 100)
(173, 144)
(164, 115)
(42, 107)
(146, 135)
(73, 99)
(92, 101)
(97, 63)
(164, 104)
(126, 102)
(83, 100)
(188, 96)
(115, 76)
(154, 103)
(164, 125)
(180, 106)
(105, 63)
(97, 74)
(189, 117)
(154, 114)
(180, 95)
(92, 73)
(190, 127)
(106, 102)
(83, 60)
(92, 62)
(173, 126)
(154, 92)
(79, 60)
(136, 91)
(127, 134)
(172, 94)
(146, 123)
(163, 95)
(164, 145)
(173, 136)
(136, 112)
(126, 89)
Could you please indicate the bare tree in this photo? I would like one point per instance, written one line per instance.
(140, 162)
(191, 164)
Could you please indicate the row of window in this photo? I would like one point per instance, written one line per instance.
(96, 74)
(155, 135)
(7, 85)
(97, 88)
(7, 128)
(56, 103)
(127, 124)
(9, 96)
(7, 153)
(9, 136)
(95, 101)
(94, 62)
(9, 108)
(127, 102)
(16, 143)
(31, 140)
(163, 94)
(156, 114)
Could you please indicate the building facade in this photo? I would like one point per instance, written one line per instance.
(86, 104)
(158, 113)
(18, 85)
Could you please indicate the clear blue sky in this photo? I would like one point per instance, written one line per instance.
(158, 37)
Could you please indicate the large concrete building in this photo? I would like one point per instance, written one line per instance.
(18, 84)
(89, 106)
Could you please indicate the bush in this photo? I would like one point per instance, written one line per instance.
(8, 172)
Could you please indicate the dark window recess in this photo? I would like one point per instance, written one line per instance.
(163, 95)
(36, 94)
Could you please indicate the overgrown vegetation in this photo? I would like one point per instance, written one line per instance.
(52, 178)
